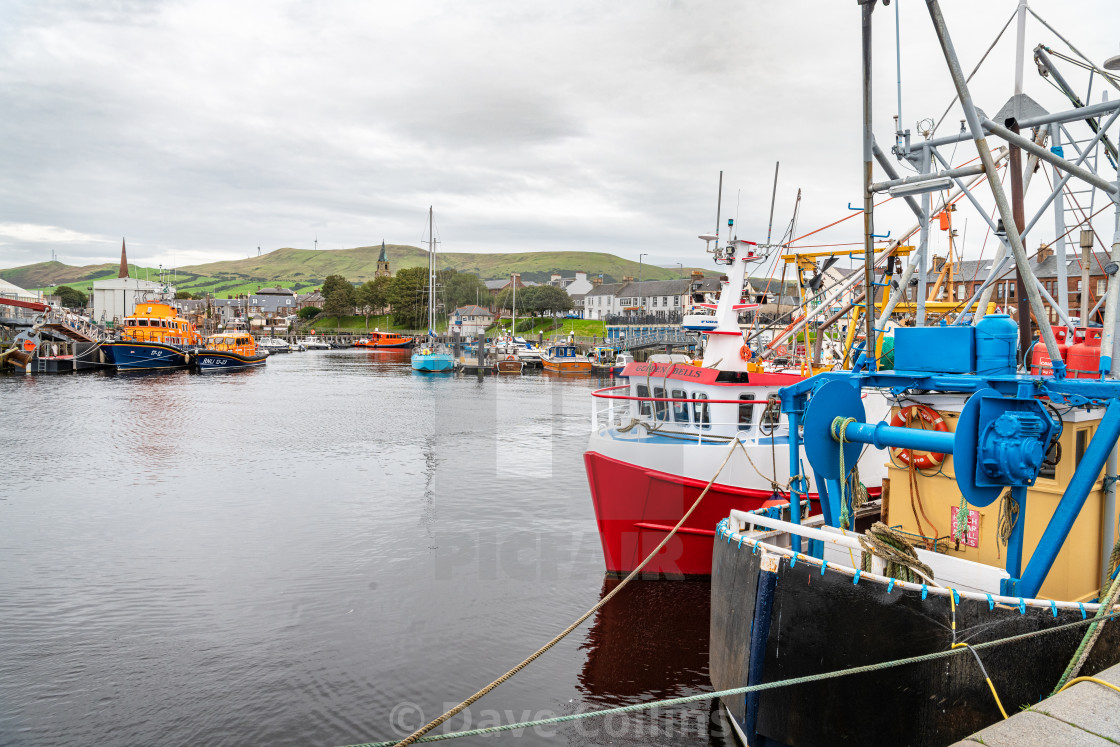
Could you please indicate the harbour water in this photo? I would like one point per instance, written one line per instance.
(326, 551)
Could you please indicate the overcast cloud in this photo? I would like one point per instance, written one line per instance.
(202, 129)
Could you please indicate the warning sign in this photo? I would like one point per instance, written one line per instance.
(972, 529)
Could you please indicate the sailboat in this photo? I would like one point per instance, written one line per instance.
(431, 356)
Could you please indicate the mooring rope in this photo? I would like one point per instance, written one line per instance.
(897, 552)
(746, 689)
(1090, 637)
(416, 735)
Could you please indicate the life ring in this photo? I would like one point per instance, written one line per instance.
(902, 418)
(29, 345)
(781, 350)
(745, 352)
(510, 358)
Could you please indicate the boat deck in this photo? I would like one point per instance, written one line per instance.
(1085, 715)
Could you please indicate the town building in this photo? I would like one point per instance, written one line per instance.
(471, 320)
(116, 298)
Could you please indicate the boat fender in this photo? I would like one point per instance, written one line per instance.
(855, 579)
(187, 358)
(931, 417)
(745, 353)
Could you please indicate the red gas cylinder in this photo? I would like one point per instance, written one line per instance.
(1084, 358)
(1040, 358)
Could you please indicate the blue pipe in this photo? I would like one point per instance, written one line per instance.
(1072, 501)
(796, 487)
(882, 435)
(1014, 564)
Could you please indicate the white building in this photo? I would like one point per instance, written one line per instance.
(475, 320)
(118, 297)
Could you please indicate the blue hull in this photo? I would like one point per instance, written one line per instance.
(433, 363)
(210, 360)
(142, 356)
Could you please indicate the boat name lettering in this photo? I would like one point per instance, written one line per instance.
(679, 369)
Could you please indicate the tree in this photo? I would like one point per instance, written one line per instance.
(341, 301)
(71, 298)
(335, 283)
(373, 296)
(309, 312)
(462, 288)
(184, 295)
(408, 297)
(550, 298)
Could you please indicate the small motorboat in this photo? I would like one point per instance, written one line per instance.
(227, 351)
(433, 358)
(314, 343)
(273, 345)
(507, 361)
(621, 360)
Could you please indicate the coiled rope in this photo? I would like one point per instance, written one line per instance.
(1090, 637)
(858, 492)
(746, 689)
(897, 553)
(416, 735)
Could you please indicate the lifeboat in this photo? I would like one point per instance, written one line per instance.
(229, 351)
(152, 337)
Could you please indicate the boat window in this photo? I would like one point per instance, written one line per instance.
(680, 409)
(142, 322)
(1080, 443)
(660, 408)
(131, 322)
(746, 413)
(643, 406)
(700, 412)
(772, 415)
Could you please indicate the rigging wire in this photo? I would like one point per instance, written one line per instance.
(978, 64)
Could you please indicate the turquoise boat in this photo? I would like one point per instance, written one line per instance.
(432, 359)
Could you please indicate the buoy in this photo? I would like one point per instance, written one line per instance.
(745, 353)
(928, 415)
(781, 350)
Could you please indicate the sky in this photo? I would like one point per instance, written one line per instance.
(201, 130)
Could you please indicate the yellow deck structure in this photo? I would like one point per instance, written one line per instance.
(1076, 573)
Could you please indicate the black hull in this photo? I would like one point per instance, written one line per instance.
(774, 625)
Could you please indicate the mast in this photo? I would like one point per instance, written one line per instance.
(431, 275)
(868, 198)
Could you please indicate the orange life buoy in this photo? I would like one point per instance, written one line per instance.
(510, 358)
(929, 416)
(745, 353)
(781, 350)
(28, 345)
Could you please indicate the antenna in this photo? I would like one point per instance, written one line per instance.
(719, 203)
(773, 197)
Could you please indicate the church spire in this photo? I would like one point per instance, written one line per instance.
(384, 257)
(123, 273)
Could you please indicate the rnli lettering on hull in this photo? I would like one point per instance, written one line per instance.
(214, 361)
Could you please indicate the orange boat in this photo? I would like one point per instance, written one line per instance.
(385, 340)
(154, 336)
(565, 359)
(229, 350)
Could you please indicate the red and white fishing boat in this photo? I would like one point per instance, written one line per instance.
(658, 440)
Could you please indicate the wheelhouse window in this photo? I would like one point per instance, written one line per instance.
(643, 405)
(771, 416)
(661, 409)
(700, 412)
(746, 413)
(680, 409)
(142, 322)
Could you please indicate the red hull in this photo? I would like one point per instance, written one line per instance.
(636, 507)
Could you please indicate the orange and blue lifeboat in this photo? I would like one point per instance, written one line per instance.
(152, 337)
(229, 351)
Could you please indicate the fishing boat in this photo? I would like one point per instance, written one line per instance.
(228, 351)
(603, 359)
(621, 361)
(986, 578)
(565, 359)
(432, 356)
(657, 440)
(153, 336)
(385, 340)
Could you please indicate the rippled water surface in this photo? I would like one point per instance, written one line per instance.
(319, 552)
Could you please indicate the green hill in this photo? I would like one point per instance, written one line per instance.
(305, 269)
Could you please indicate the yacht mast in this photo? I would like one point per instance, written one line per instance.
(431, 275)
